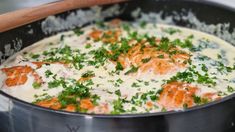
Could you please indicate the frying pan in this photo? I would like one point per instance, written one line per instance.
(217, 116)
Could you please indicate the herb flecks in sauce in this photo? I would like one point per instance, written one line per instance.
(122, 67)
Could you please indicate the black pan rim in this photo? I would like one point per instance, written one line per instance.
(136, 115)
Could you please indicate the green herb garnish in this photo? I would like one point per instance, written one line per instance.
(119, 66)
(36, 85)
(48, 73)
(145, 60)
(171, 30)
(88, 74)
(78, 31)
(132, 70)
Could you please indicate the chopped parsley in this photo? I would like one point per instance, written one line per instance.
(187, 43)
(78, 31)
(132, 70)
(185, 106)
(191, 75)
(171, 30)
(119, 66)
(198, 100)
(134, 84)
(36, 85)
(48, 73)
(54, 83)
(100, 24)
(88, 46)
(161, 56)
(230, 89)
(118, 92)
(35, 56)
(165, 44)
(222, 68)
(143, 24)
(88, 74)
(126, 27)
(100, 55)
(219, 56)
(118, 106)
(71, 94)
(120, 81)
(95, 98)
(146, 60)
(204, 68)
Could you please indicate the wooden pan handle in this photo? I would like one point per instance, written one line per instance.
(21, 17)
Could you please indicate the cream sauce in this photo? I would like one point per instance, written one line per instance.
(105, 83)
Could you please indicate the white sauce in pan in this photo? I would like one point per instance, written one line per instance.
(80, 73)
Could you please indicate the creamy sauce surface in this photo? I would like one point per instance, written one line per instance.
(121, 67)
